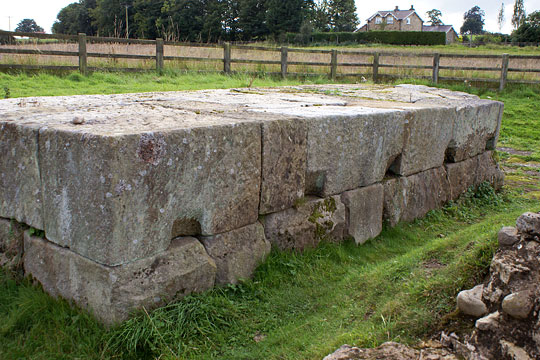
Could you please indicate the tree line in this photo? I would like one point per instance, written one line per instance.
(205, 20)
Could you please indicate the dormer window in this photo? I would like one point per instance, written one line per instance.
(390, 20)
(408, 21)
(378, 20)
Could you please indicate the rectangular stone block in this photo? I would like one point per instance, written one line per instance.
(11, 243)
(488, 170)
(284, 157)
(476, 129)
(347, 152)
(237, 253)
(20, 183)
(412, 197)
(364, 212)
(116, 199)
(307, 224)
(426, 137)
(112, 293)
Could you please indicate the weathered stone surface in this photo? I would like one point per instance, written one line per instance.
(422, 152)
(20, 183)
(488, 170)
(307, 224)
(529, 223)
(11, 243)
(476, 129)
(284, 161)
(111, 293)
(489, 322)
(514, 352)
(347, 152)
(115, 199)
(365, 211)
(470, 301)
(506, 267)
(388, 350)
(508, 236)
(518, 305)
(237, 253)
(409, 198)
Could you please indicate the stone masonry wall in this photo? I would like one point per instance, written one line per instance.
(143, 198)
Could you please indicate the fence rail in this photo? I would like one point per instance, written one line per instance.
(375, 64)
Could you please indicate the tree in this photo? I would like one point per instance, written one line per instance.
(529, 31)
(500, 17)
(342, 15)
(321, 16)
(287, 16)
(518, 18)
(473, 21)
(29, 26)
(75, 18)
(252, 19)
(434, 17)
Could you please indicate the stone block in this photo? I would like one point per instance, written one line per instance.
(470, 301)
(508, 236)
(529, 223)
(347, 152)
(112, 293)
(116, 199)
(412, 197)
(518, 305)
(476, 129)
(427, 133)
(461, 176)
(20, 183)
(488, 170)
(237, 253)
(307, 224)
(365, 212)
(284, 158)
(11, 243)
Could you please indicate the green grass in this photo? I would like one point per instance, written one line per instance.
(400, 286)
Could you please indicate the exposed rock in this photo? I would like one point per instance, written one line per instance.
(237, 253)
(529, 223)
(489, 171)
(505, 267)
(514, 352)
(112, 293)
(489, 322)
(365, 211)
(388, 350)
(470, 301)
(307, 224)
(518, 305)
(11, 243)
(508, 236)
(284, 161)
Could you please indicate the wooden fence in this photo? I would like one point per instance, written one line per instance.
(332, 67)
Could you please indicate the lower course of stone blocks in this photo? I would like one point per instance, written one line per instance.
(193, 264)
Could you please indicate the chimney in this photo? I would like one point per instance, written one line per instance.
(412, 7)
(397, 8)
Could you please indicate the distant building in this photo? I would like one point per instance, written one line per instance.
(451, 34)
(405, 20)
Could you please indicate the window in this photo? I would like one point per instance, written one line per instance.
(378, 20)
(408, 21)
(390, 20)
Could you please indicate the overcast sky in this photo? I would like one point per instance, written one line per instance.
(45, 11)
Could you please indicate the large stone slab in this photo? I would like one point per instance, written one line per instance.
(11, 243)
(115, 199)
(112, 293)
(237, 253)
(347, 152)
(284, 158)
(409, 198)
(20, 183)
(364, 212)
(307, 224)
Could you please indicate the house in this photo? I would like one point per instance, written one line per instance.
(396, 20)
(451, 34)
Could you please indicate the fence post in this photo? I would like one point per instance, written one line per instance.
(436, 63)
(333, 65)
(227, 58)
(284, 55)
(83, 60)
(375, 67)
(159, 54)
(504, 72)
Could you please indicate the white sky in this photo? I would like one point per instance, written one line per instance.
(45, 11)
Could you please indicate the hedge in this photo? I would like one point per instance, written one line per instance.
(382, 37)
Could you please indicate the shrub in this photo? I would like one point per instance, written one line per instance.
(383, 37)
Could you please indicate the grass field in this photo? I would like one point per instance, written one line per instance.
(400, 286)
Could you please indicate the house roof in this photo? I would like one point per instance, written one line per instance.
(438, 28)
(398, 14)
